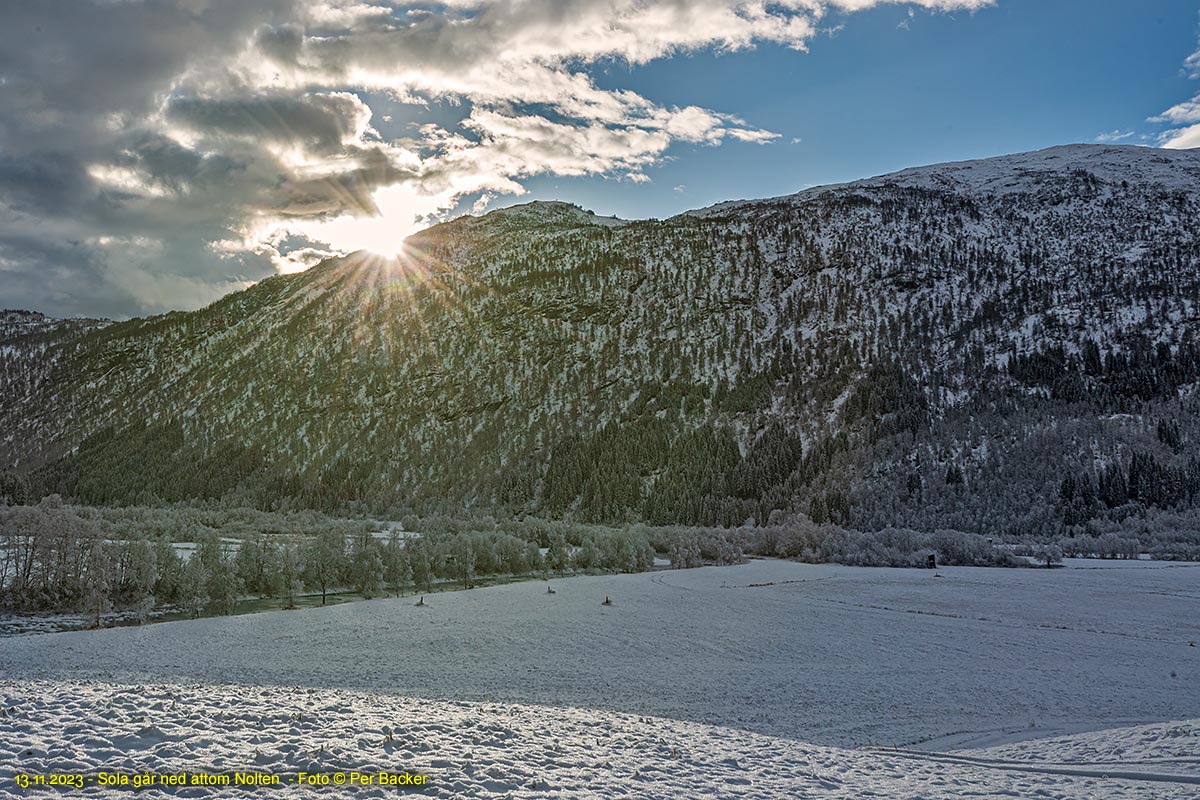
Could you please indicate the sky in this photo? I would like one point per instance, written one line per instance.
(158, 154)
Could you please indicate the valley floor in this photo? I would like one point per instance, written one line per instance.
(736, 681)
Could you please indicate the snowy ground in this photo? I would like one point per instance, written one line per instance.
(36, 624)
(767, 664)
(522, 751)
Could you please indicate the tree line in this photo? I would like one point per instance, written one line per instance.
(57, 557)
(64, 558)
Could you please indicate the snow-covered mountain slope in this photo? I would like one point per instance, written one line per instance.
(1171, 170)
(938, 348)
(1023, 173)
(30, 330)
(29, 352)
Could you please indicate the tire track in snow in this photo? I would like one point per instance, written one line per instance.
(1041, 769)
(1001, 623)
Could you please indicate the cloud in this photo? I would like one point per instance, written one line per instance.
(1181, 113)
(1192, 64)
(155, 154)
(1186, 114)
(1181, 138)
(1113, 136)
(316, 122)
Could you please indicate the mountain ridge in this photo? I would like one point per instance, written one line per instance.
(1085, 156)
(876, 353)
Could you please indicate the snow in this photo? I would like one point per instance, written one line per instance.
(35, 624)
(186, 550)
(1173, 170)
(704, 642)
(515, 751)
(541, 210)
(1173, 746)
(693, 681)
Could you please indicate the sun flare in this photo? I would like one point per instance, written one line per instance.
(401, 213)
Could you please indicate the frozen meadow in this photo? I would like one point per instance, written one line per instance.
(496, 750)
(771, 679)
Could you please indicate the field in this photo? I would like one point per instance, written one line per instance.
(771, 679)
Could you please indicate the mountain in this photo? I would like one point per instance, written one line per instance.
(1005, 345)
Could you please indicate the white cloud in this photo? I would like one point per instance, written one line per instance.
(242, 136)
(1181, 114)
(1181, 138)
(1117, 135)
(1192, 64)
(520, 68)
(1186, 114)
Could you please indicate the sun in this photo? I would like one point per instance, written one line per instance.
(382, 235)
(400, 214)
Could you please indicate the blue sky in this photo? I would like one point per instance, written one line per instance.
(873, 97)
(158, 155)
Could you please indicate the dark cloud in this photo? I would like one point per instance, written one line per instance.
(281, 43)
(52, 184)
(319, 123)
(155, 154)
(81, 84)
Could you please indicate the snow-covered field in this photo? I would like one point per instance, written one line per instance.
(520, 751)
(734, 681)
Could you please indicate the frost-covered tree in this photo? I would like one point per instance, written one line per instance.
(728, 550)
(97, 581)
(255, 563)
(169, 568)
(510, 554)
(587, 556)
(221, 583)
(366, 566)
(533, 558)
(461, 561)
(325, 561)
(557, 556)
(139, 575)
(397, 571)
(420, 559)
(192, 592)
(684, 551)
(1050, 554)
(290, 572)
(628, 550)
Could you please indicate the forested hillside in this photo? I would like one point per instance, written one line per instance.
(1004, 346)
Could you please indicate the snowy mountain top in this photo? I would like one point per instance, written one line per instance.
(1177, 170)
(16, 315)
(540, 213)
(15, 323)
(1172, 170)
(557, 210)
